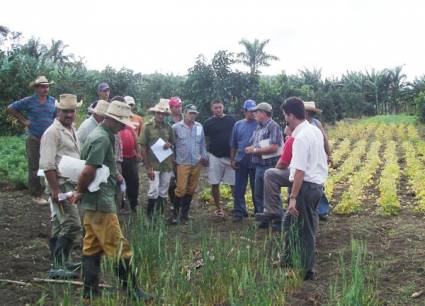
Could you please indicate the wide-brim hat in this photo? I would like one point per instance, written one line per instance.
(161, 107)
(68, 101)
(121, 112)
(311, 106)
(41, 80)
(100, 109)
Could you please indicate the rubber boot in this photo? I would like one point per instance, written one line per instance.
(176, 211)
(59, 270)
(186, 201)
(129, 282)
(151, 207)
(160, 204)
(91, 272)
(72, 266)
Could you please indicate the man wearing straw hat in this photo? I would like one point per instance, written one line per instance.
(57, 141)
(40, 111)
(310, 112)
(88, 125)
(159, 172)
(102, 229)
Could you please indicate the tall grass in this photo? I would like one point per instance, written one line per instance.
(356, 284)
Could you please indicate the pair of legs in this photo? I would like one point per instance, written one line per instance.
(274, 180)
(33, 157)
(245, 172)
(259, 187)
(300, 233)
(158, 191)
(103, 235)
(220, 170)
(130, 172)
(187, 182)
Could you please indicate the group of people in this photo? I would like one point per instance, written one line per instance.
(173, 147)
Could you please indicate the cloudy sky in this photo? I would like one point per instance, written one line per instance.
(166, 36)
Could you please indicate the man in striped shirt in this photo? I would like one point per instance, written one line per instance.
(35, 113)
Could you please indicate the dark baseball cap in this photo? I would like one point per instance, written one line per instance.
(102, 87)
(191, 109)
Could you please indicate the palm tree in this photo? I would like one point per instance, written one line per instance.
(254, 55)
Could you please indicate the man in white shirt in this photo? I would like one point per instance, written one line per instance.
(308, 173)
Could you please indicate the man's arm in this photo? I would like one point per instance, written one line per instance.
(52, 179)
(21, 119)
(296, 187)
(325, 140)
(86, 177)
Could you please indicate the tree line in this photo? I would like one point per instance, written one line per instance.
(354, 94)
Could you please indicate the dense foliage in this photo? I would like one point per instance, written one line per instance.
(353, 94)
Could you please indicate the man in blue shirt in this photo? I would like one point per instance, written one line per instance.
(242, 162)
(40, 112)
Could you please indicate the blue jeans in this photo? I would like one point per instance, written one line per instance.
(259, 187)
(323, 206)
(246, 171)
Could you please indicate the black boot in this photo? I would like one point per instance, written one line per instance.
(176, 211)
(151, 207)
(160, 204)
(52, 245)
(91, 272)
(72, 266)
(129, 282)
(59, 269)
(186, 201)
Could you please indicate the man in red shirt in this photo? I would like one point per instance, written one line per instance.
(131, 155)
(274, 179)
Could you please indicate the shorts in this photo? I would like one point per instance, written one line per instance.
(220, 170)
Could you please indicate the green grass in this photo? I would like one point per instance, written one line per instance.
(355, 286)
(390, 119)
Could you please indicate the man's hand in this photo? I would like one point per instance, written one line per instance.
(119, 178)
(249, 150)
(233, 164)
(26, 123)
(151, 174)
(167, 145)
(292, 209)
(76, 198)
(330, 160)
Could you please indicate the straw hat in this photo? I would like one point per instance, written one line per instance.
(130, 100)
(68, 101)
(161, 107)
(311, 106)
(100, 109)
(121, 112)
(41, 80)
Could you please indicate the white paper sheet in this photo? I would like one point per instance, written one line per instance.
(159, 152)
(265, 143)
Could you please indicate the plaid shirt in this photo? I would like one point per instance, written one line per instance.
(266, 130)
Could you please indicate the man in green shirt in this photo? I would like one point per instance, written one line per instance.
(159, 171)
(102, 229)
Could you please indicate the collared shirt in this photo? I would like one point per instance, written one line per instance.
(86, 128)
(150, 134)
(98, 150)
(40, 115)
(308, 154)
(190, 143)
(170, 119)
(266, 130)
(56, 142)
(241, 134)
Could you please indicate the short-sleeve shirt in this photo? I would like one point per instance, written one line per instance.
(219, 130)
(266, 130)
(286, 156)
(308, 154)
(56, 142)
(242, 133)
(129, 142)
(40, 115)
(150, 134)
(98, 150)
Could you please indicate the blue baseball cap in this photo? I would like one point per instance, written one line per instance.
(102, 87)
(249, 105)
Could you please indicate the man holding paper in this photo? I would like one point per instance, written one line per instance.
(60, 140)
(266, 143)
(156, 140)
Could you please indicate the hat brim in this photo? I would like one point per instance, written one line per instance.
(251, 109)
(78, 105)
(93, 111)
(315, 110)
(157, 110)
(33, 84)
(126, 122)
